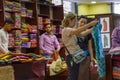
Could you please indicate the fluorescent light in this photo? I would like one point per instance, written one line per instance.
(93, 2)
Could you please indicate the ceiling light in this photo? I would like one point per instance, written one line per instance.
(93, 2)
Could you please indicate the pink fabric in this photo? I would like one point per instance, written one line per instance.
(114, 50)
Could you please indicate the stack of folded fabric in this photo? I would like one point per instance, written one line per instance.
(116, 67)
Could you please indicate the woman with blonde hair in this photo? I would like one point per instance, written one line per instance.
(69, 38)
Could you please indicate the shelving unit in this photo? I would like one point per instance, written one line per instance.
(50, 13)
(46, 11)
(24, 15)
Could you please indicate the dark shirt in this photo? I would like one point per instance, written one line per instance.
(83, 42)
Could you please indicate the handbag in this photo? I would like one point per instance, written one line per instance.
(78, 56)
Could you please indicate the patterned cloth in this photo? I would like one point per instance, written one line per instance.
(99, 50)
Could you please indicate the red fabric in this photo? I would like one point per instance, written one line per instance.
(116, 57)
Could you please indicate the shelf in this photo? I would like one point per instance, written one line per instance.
(32, 33)
(29, 48)
(54, 6)
(27, 17)
(16, 29)
(56, 20)
(43, 4)
(44, 15)
(12, 11)
(27, 1)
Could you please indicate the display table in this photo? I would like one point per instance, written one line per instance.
(29, 70)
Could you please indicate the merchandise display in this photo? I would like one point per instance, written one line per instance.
(10, 58)
(30, 17)
(24, 33)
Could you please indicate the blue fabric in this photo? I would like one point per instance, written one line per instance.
(86, 52)
(99, 50)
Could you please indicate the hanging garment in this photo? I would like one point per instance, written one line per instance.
(99, 50)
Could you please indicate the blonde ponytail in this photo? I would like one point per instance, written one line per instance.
(68, 17)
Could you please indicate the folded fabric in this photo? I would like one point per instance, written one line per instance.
(114, 51)
(116, 63)
(56, 67)
(116, 58)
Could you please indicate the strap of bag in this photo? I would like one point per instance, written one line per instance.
(66, 47)
(67, 50)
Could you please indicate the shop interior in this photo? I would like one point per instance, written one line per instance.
(26, 61)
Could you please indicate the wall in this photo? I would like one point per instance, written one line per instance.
(87, 9)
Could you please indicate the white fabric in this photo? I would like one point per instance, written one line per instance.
(4, 40)
(69, 41)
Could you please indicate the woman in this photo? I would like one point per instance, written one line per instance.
(69, 38)
(85, 44)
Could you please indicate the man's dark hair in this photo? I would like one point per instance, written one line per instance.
(82, 16)
(48, 24)
(9, 21)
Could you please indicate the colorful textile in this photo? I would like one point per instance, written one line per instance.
(99, 50)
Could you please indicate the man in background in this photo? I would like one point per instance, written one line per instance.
(48, 42)
(4, 35)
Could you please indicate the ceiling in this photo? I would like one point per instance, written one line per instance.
(98, 1)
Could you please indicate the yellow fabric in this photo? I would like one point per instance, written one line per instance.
(57, 67)
(6, 73)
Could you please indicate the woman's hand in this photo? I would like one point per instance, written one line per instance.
(94, 22)
(92, 63)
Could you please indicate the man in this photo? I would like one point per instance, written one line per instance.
(48, 42)
(4, 36)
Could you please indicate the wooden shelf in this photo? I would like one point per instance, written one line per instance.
(44, 15)
(40, 9)
(56, 20)
(12, 11)
(27, 17)
(16, 28)
(27, 1)
(29, 48)
(43, 4)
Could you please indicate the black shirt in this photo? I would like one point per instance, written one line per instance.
(83, 42)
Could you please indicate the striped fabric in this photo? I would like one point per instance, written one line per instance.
(116, 67)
